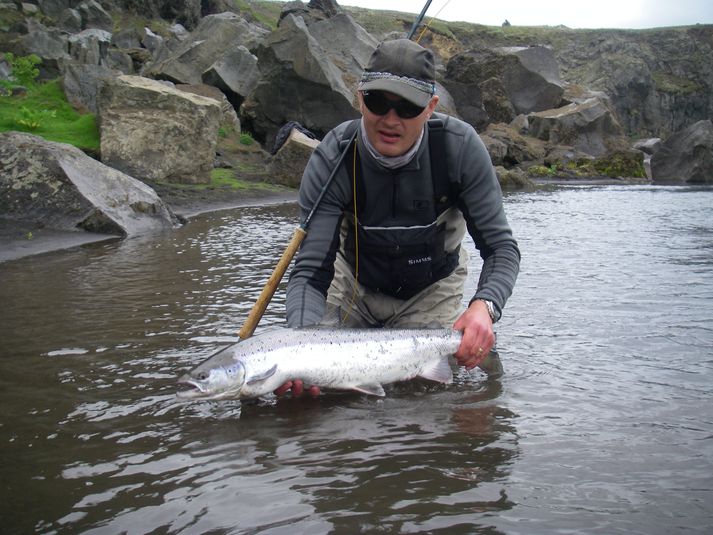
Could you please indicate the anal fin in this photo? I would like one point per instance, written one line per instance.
(372, 390)
(440, 372)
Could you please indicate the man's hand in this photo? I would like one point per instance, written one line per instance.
(298, 388)
(478, 337)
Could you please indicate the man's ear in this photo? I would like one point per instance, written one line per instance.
(432, 105)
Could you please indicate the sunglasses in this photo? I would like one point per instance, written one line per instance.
(378, 104)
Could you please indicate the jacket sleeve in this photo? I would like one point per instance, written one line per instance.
(313, 270)
(481, 203)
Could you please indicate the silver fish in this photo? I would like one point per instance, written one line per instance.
(342, 359)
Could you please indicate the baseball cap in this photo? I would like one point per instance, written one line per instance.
(401, 67)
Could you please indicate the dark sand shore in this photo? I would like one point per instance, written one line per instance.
(20, 239)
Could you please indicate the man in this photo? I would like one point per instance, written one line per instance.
(383, 248)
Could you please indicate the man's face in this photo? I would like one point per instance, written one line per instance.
(390, 134)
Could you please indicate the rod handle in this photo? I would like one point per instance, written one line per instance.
(271, 285)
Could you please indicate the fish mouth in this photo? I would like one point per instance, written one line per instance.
(197, 390)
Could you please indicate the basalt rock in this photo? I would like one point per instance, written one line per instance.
(589, 127)
(236, 74)
(81, 84)
(288, 164)
(298, 82)
(497, 84)
(151, 130)
(90, 46)
(94, 16)
(229, 117)
(59, 187)
(508, 148)
(686, 156)
(215, 39)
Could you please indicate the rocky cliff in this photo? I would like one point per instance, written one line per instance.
(543, 99)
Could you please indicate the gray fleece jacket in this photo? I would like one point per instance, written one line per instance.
(478, 208)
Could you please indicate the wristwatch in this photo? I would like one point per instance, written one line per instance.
(492, 311)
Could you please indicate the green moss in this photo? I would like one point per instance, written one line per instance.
(628, 164)
(668, 83)
(246, 139)
(262, 11)
(227, 179)
(540, 171)
(618, 164)
(45, 112)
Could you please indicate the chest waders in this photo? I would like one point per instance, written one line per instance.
(401, 246)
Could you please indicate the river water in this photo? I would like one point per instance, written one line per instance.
(603, 422)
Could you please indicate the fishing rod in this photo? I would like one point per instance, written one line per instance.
(298, 237)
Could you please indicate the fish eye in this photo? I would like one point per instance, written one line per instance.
(202, 376)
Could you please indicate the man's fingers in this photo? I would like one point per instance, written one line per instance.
(283, 389)
(297, 387)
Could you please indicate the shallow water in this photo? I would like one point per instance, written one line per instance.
(603, 422)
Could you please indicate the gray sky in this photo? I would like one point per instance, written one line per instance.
(571, 13)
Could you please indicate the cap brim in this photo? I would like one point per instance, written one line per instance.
(410, 93)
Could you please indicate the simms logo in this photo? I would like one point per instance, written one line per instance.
(414, 261)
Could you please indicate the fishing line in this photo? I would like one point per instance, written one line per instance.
(432, 19)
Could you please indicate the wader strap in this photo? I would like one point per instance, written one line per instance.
(444, 191)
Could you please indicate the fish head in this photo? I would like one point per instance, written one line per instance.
(216, 382)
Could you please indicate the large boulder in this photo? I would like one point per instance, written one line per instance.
(229, 117)
(236, 74)
(54, 8)
(346, 44)
(299, 83)
(58, 186)
(497, 84)
(215, 37)
(151, 130)
(90, 46)
(94, 16)
(289, 162)
(686, 156)
(507, 147)
(589, 127)
(81, 83)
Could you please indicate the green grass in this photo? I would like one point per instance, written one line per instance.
(265, 12)
(226, 178)
(45, 112)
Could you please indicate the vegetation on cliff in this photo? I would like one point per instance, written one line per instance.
(42, 108)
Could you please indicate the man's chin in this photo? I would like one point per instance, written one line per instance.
(391, 149)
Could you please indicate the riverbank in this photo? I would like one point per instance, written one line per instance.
(20, 239)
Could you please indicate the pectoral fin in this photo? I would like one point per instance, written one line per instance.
(261, 377)
(440, 372)
(372, 390)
